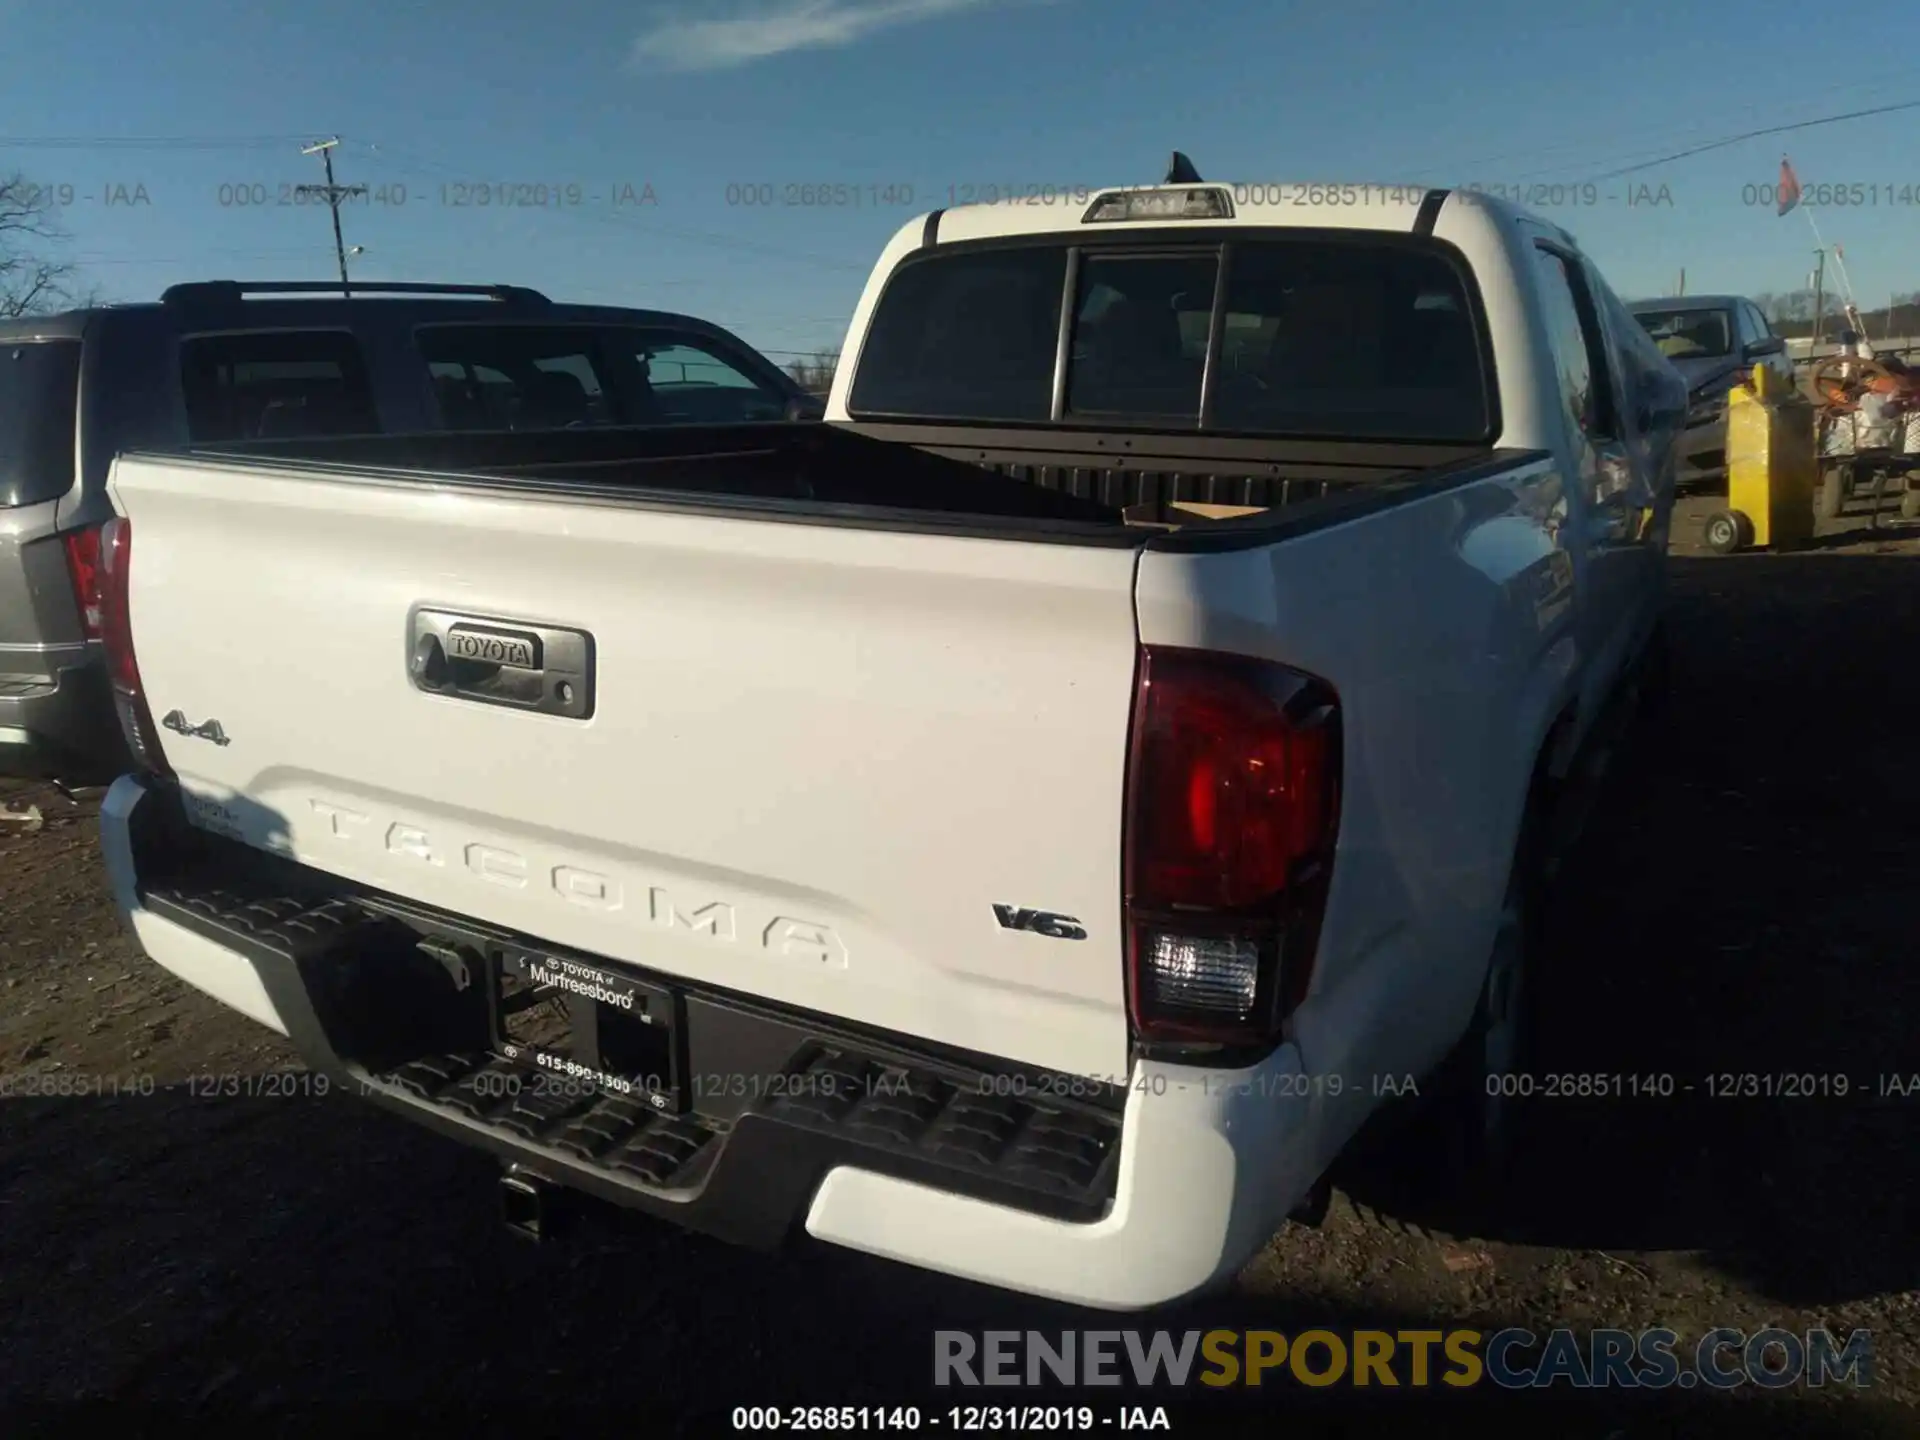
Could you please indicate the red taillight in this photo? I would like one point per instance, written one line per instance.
(83, 568)
(116, 636)
(1232, 811)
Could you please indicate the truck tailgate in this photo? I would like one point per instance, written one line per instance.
(815, 758)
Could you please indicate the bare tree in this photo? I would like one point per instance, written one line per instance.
(1792, 307)
(815, 373)
(33, 279)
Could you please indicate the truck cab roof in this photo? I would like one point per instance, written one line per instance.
(1257, 205)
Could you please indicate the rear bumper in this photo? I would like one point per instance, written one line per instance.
(61, 729)
(968, 1170)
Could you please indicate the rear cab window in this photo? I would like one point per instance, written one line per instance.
(1308, 336)
(39, 398)
(533, 377)
(280, 384)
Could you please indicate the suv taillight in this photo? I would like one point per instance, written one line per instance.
(116, 634)
(83, 568)
(1233, 805)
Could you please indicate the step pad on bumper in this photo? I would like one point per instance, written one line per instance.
(332, 959)
(1059, 1151)
(611, 1131)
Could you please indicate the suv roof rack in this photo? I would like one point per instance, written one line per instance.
(214, 291)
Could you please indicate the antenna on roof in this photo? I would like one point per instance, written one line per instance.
(1180, 171)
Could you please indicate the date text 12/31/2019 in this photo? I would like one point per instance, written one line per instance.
(896, 195)
(460, 195)
(997, 1419)
(32, 195)
(1281, 1085)
(1582, 194)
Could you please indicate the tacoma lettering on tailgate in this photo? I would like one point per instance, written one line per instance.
(714, 920)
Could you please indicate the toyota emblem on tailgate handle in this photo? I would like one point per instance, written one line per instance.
(497, 660)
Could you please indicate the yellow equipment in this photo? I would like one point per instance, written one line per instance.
(1771, 467)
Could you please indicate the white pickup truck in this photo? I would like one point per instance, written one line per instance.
(1022, 827)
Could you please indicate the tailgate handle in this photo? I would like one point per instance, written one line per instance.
(494, 660)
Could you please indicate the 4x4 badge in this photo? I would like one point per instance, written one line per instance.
(210, 730)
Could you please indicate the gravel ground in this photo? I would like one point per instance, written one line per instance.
(1745, 904)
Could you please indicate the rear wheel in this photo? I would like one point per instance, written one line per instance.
(1503, 1035)
(1487, 1082)
(1656, 675)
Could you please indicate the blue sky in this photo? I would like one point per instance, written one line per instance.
(906, 101)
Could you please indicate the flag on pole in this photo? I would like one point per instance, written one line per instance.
(1788, 192)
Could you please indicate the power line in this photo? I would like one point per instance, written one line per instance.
(421, 165)
(197, 259)
(147, 142)
(1661, 136)
(1745, 135)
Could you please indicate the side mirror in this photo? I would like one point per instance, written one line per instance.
(805, 407)
(1772, 345)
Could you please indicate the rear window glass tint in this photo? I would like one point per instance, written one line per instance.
(280, 385)
(39, 383)
(1339, 339)
(1320, 338)
(967, 337)
(1140, 335)
(518, 377)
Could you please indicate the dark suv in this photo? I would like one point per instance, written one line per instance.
(222, 362)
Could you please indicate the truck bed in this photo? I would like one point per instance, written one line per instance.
(1164, 477)
(1083, 486)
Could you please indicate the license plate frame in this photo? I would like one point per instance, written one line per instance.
(588, 1023)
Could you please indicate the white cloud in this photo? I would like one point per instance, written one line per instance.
(775, 27)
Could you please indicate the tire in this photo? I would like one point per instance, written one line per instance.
(1484, 1125)
(1656, 677)
(1728, 531)
(1831, 498)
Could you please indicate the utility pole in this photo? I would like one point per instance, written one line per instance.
(1683, 281)
(1819, 295)
(333, 194)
